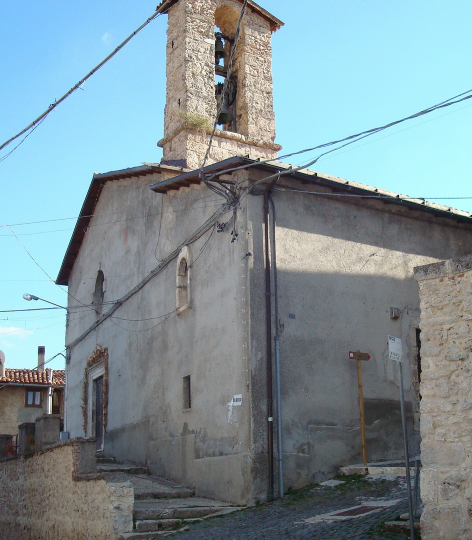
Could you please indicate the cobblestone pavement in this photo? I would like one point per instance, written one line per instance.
(286, 519)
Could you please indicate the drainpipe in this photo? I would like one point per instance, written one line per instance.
(2, 364)
(270, 418)
(280, 455)
(49, 392)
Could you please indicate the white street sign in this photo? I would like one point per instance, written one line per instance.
(395, 349)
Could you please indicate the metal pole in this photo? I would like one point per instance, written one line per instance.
(407, 458)
(361, 411)
(280, 458)
(280, 454)
(270, 418)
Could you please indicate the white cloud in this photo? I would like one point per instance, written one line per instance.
(14, 330)
(107, 38)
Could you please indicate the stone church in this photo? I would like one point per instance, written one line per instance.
(226, 289)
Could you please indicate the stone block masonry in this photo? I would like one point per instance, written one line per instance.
(446, 405)
(191, 106)
(55, 495)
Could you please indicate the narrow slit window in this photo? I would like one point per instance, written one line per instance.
(187, 393)
(99, 293)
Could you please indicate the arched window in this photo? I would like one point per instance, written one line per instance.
(183, 281)
(99, 292)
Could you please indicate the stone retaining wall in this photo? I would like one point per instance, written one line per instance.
(56, 495)
(446, 405)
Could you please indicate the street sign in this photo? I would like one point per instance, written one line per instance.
(358, 355)
(395, 349)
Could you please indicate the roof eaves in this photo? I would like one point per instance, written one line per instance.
(307, 175)
(88, 208)
(194, 177)
(276, 23)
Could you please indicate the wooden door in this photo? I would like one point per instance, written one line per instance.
(98, 384)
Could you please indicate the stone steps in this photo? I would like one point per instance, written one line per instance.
(127, 468)
(400, 526)
(160, 506)
(393, 468)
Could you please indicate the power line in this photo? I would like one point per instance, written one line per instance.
(164, 263)
(144, 329)
(51, 107)
(173, 211)
(379, 196)
(102, 215)
(352, 138)
(31, 309)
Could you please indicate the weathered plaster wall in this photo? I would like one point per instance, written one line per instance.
(151, 348)
(13, 411)
(190, 96)
(44, 497)
(446, 405)
(341, 266)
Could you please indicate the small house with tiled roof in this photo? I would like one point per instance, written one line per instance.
(26, 394)
(228, 288)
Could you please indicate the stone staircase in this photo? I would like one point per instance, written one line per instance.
(160, 507)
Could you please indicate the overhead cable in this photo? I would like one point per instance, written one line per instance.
(51, 107)
(220, 189)
(353, 138)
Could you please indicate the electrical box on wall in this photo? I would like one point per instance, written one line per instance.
(394, 313)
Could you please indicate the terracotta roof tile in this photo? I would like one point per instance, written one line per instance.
(33, 376)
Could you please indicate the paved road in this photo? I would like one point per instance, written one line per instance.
(302, 515)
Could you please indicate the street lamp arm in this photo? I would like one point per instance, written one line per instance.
(30, 297)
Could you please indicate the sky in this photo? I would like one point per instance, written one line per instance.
(339, 68)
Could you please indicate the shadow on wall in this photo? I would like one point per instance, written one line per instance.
(373, 224)
(323, 317)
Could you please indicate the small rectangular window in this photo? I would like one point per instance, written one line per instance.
(33, 398)
(187, 393)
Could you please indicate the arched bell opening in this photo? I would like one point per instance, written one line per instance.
(226, 88)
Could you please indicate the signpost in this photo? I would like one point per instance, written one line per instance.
(359, 357)
(395, 352)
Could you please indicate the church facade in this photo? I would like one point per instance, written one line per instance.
(225, 297)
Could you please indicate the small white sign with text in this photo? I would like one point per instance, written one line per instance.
(237, 400)
(395, 349)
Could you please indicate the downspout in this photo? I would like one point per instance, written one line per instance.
(280, 455)
(66, 388)
(49, 391)
(270, 418)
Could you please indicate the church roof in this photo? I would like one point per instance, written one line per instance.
(184, 179)
(165, 5)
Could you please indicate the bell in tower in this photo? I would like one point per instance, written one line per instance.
(201, 90)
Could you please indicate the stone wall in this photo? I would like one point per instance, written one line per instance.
(446, 406)
(55, 495)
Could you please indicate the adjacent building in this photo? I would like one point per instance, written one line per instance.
(26, 394)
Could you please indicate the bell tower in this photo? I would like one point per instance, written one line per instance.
(200, 38)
